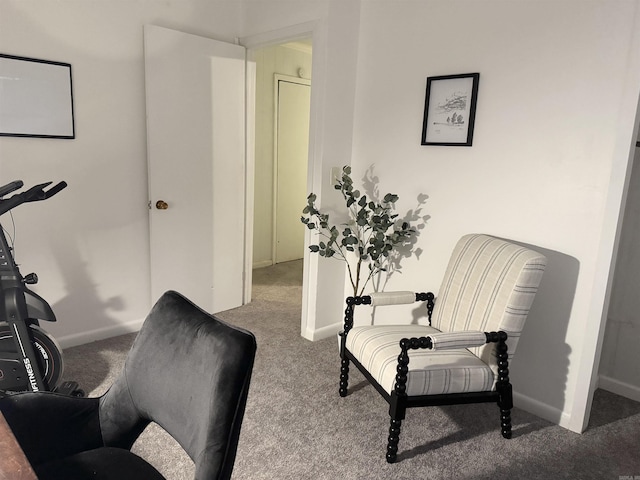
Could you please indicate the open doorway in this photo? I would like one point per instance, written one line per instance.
(283, 83)
(618, 371)
(291, 153)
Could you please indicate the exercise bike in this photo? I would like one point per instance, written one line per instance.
(30, 358)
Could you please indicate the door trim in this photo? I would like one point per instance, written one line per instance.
(249, 179)
(316, 30)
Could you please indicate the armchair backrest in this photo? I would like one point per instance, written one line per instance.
(489, 285)
(189, 372)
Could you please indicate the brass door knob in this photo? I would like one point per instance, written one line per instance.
(162, 205)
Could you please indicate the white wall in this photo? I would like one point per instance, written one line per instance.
(89, 244)
(546, 167)
(285, 60)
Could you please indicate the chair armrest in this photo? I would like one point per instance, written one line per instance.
(454, 340)
(386, 298)
(49, 425)
(379, 299)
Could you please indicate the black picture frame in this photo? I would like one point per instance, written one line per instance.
(450, 110)
(36, 98)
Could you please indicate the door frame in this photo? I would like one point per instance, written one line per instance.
(249, 169)
(278, 77)
(316, 32)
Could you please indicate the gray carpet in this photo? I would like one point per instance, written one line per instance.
(297, 427)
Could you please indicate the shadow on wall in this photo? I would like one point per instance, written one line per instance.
(418, 220)
(83, 301)
(540, 367)
(414, 216)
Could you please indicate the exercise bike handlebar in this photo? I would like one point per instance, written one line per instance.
(10, 187)
(34, 194)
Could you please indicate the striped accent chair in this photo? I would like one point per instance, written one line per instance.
(462, 356)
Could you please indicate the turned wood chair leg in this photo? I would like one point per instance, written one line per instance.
(344, 377)
(505, 403)
(505, 422)
(394, 438)
(504, 388)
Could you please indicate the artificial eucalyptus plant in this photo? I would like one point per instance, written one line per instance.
(369, 237)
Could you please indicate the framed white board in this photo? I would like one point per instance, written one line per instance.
(36, 98)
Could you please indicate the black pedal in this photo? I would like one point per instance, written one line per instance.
(68, 387)
(31, 279)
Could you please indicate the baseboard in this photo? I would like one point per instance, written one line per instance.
(323, 332)
(73, 340)
(542, 410)
(263, 264)
(619, 388)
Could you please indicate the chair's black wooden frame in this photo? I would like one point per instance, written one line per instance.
(399, 401)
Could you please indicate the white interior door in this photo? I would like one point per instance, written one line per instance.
(195, 100)
(293, 97)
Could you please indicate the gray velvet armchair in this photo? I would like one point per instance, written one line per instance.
(187, 371)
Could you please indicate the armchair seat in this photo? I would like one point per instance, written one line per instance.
(431, 372)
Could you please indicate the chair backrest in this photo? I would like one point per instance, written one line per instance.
(489, 285)
(189, 372)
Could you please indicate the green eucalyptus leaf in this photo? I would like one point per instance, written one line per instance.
(371, 234)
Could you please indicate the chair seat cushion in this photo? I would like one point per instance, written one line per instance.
(105, 463)
(430, 372)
